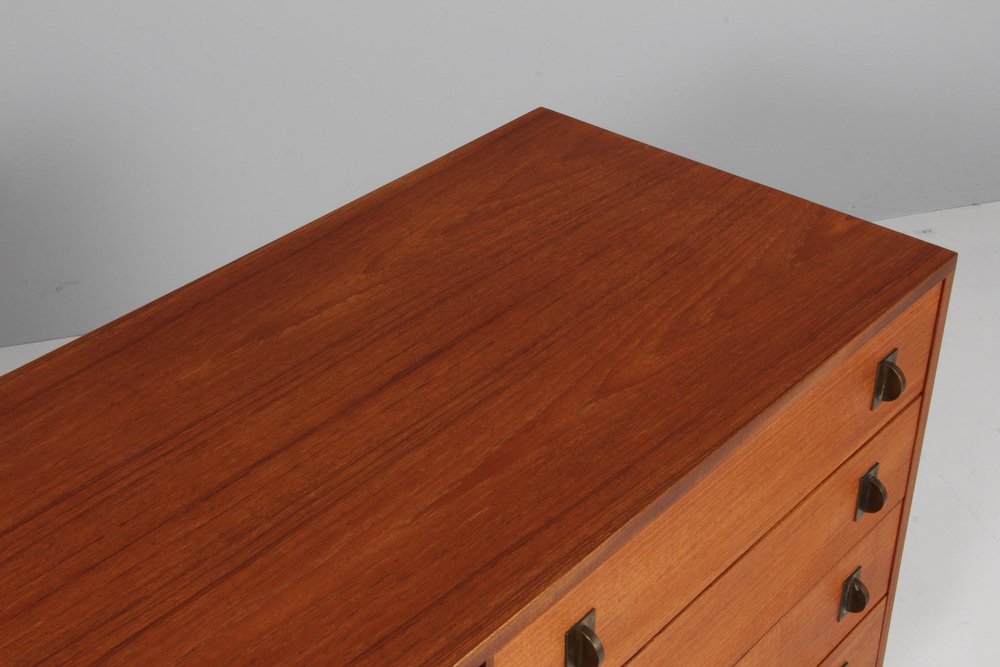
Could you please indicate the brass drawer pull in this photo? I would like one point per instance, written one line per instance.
(890, 382)
(872, 494)
(854, 599)
(583, 646)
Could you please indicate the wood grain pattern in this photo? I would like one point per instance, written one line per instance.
(353, 444)
(928, 389)
(860, 648)
(806, 634)
(761, 587)
(658, 572)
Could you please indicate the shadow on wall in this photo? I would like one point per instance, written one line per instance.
(48, 172)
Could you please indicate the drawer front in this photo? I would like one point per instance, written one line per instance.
(860, 648)
(660, 570)
(728, 618)
(814, 625)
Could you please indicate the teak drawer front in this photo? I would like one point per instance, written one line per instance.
(860, 648)
(768, 580)
(653, 576)
(808, 632)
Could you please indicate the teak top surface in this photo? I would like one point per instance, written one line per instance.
(381, 436)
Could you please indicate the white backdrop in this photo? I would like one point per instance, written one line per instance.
(143, 145)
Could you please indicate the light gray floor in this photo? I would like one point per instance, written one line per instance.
(948, 603)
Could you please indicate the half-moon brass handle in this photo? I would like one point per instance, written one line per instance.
(872, 494)
(890, 381)
(583, 647)
(854, 599)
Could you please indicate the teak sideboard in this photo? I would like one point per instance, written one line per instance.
(556, 399)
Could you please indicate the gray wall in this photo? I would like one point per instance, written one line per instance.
(143, 145)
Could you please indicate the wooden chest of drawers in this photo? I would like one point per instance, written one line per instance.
(558, 398)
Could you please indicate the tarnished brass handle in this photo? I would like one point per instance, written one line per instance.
(583, 646)
(890, 382)
(854, 599)
(872, 494)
